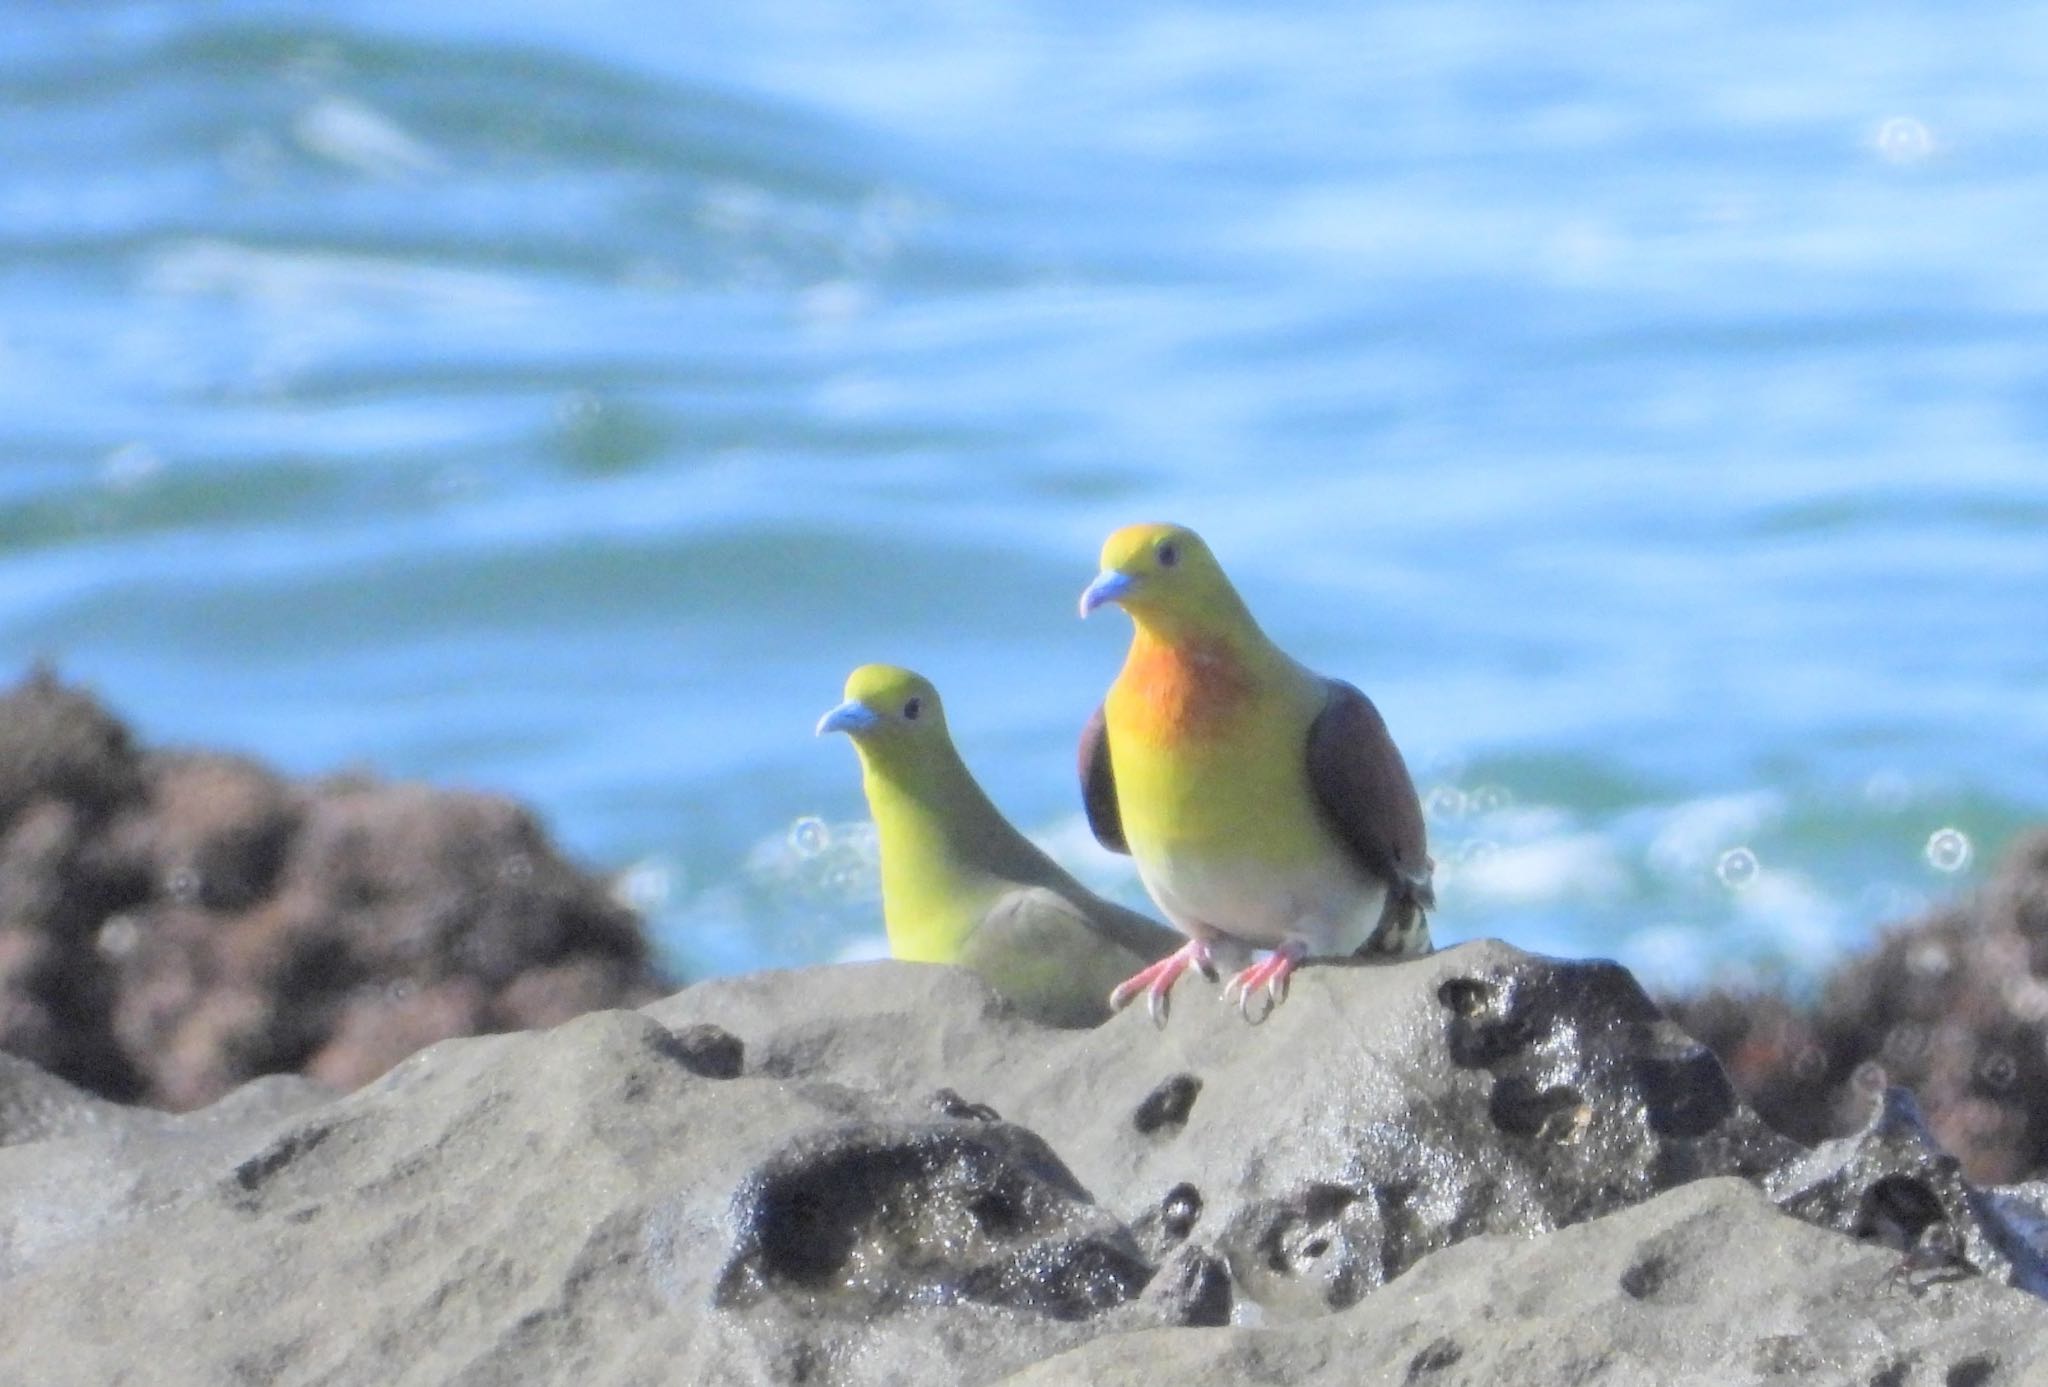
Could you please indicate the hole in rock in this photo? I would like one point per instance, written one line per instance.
(1685, 1095)
(1556, 1114)
(1645, 1278)
(997, 1214)
(1896, 1210)
(1971, 1372)
(708, 1051)
(1466, 996)
(1180, 1209)
(1168, 1104)
(1434, 1358)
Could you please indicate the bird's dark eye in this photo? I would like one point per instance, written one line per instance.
(1169, 554)
(912, 709)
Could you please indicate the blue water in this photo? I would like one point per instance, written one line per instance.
(1648, 406)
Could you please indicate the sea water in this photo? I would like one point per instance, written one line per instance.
(1647, 406)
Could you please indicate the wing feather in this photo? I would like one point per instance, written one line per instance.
(1098, 786)
(1364, 789)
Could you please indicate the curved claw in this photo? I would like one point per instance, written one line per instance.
(1156, 980)
(1244, 1004)
(1264, 982)
(1158, 1003)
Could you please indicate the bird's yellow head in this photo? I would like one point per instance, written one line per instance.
(887, 708)
(1166, 578)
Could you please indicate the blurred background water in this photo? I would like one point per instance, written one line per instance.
(1646, 405)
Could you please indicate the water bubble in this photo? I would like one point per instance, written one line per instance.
(2027, 999)
(1949, 850)
(1488, 799)
(809, 836)
(1904, 140)
(1737, 869)
(1869, 1079)
(118, 936)
(1477, 851)
(1445, 803)
(516, 868)
(183, 886)
(1997, 1070)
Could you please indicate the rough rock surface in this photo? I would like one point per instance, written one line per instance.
(880, 1174)
(1953, 1006)
(1706, 1284)
(173, 924)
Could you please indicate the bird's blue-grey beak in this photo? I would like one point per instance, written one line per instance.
(850, 716)
(1108, 586)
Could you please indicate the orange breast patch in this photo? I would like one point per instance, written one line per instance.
(1178, 693)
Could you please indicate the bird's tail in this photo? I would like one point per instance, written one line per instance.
(1403, 926)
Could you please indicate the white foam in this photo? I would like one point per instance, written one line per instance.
(356, 136)
(1695, 833)
(1569, 867)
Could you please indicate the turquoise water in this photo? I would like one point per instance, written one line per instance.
(1649, 411)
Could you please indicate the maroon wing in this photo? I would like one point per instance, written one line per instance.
(1098, 786)
(1363, 786)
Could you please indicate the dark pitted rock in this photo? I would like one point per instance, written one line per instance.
(856, 1221)
(1892, 1184)
(1953, 1006)
(843, 1205)
(1383, 1112)
(175, 923)
(1705, 1284)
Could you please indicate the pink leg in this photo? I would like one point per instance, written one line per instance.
(1157, 981)
(1269, 975)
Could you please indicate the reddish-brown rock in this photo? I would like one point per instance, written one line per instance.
(174, 923)
(1953, 1006)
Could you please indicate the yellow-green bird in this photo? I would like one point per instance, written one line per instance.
(1265, 805)
(959, 884)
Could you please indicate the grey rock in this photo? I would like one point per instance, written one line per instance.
(1705, 1284)
(883, 1174)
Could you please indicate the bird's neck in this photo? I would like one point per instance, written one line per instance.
(932, 822)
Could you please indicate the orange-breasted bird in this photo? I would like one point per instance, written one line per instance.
(1265, 805)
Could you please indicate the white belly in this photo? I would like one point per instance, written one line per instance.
(1327, 904)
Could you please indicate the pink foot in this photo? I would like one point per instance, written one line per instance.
(1157, 981)
(1268, 977)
